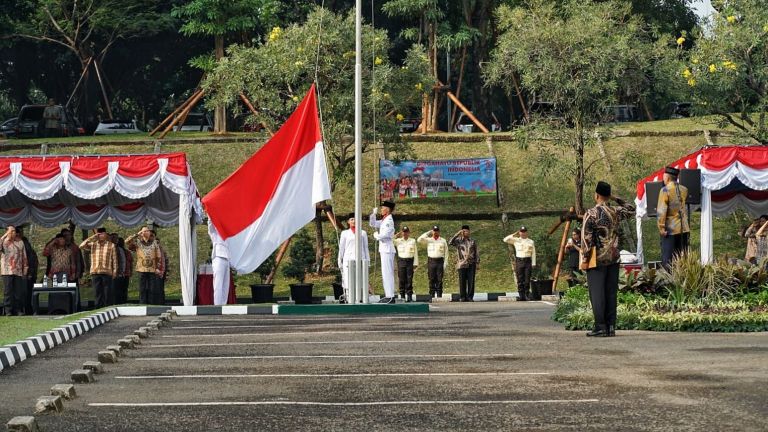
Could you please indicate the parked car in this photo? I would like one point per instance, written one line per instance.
(623, 113)
(8, 128)
(465, 124)
(31, 123)
(678, 110)
(196, 122)
(410, 124)
(113, 127)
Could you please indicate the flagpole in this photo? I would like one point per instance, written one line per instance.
(358, 284)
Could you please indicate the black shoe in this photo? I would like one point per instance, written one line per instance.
(410, 298)
(462, 299)
(611, 331)
(598, 331)
(391, 300)
(470, 299)
(384, 300)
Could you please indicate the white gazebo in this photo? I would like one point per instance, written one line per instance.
(87, 190)
(731, 177)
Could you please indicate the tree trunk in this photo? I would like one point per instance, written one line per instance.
(432, 99)
(482, 96)
(579, 177)
(220, 112)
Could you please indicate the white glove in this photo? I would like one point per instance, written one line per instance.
(375, 235)
(373, 212)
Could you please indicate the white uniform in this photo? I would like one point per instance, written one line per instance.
(386, 228)
(347, 254)
(220, 264)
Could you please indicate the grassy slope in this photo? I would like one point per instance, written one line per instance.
(522, 186)
(17, 328)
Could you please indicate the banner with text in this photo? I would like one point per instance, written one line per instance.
(419, 179)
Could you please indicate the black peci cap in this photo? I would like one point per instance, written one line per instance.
(603, 189)
(389, 204)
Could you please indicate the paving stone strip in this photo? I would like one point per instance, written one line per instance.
(23, 424)
(16, 353)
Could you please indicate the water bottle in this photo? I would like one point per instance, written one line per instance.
(45, 281)
(64, 280)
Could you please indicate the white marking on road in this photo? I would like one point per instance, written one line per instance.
(305, 319)
(306, 333)
(372, 403)
(340, 375)
(400, 341)
(323, 356)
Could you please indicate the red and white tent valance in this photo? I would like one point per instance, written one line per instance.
(129, 189)
(731, 177)
(51, 190)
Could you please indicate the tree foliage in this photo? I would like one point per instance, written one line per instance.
(219, 18)
(277, 72)
(302, 258)
(727, 71)
(577, 55)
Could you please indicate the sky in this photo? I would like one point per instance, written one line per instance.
(703, 8)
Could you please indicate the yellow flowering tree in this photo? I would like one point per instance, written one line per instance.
(727, 70)
(577, 55)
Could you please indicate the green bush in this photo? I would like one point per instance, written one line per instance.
(302, 258)
(741, 312)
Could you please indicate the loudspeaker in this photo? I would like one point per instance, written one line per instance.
(691, 178)
(652, 190)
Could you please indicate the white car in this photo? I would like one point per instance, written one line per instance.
(112, 127)
(196, 122)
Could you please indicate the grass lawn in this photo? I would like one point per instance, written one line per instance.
(17, 328)
(522, 185)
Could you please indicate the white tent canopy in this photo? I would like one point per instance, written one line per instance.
(731, 177)
(87, 190)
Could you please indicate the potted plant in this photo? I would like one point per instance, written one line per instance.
(263, 292)
(541, 282)
(302, 259)
(338, 289)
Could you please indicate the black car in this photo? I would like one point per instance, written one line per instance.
(8, 128)
(32, 125)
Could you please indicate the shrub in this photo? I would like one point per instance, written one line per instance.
(739, 313)
(266, 267)
(302, 258)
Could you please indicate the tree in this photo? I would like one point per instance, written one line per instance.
(302, 258)
(290, 59)
(89, 29)
(727, 71)
(221, 18)
(579, 56)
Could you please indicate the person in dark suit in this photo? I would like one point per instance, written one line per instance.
(600, 256)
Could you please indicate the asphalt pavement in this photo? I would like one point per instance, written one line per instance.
(463, 367)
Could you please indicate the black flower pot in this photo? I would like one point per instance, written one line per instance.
(338, 290)
(540, 288)
(302, 293)
(262, 293)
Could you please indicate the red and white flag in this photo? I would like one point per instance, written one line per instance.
(273, 194)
